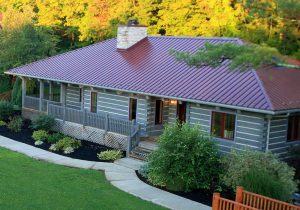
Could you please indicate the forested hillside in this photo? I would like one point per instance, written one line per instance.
(77, 23)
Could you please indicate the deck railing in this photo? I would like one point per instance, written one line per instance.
(220, 203)
(99, 120)
(262, 202)
(37, 104)
(250, 201)
(32, 103)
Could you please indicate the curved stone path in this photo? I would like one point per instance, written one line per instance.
(121, 174)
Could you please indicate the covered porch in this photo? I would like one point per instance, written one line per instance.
(49, 98)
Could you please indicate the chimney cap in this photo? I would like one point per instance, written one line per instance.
(133, 22)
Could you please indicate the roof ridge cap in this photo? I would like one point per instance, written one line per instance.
(196, 37)
(263, 89)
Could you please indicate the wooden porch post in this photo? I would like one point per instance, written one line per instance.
(63, 94)
(41, 95)
(128, 146)
(239, 194)
(81, 89)
(216, 201)
(50, 91)
(23, 90)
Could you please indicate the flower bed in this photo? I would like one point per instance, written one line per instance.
(87, 151)
(200, 196)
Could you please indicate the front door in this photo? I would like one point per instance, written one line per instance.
(181, 112)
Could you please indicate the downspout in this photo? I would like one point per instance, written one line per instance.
(268, 133)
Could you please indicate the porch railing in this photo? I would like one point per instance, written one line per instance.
(32, 102)
(100, 120)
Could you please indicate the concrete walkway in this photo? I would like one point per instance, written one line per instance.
(121, 174)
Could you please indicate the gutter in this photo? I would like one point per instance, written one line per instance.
(160, 96)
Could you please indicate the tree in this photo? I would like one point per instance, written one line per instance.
(25, 44)
(19, 46)
(242, 56)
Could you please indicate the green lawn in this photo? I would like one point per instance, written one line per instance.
(30, 184)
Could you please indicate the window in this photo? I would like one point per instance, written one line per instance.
(223, 125)
(33, 88)
(94, 102)
(46, 90)
(158, 112)
(56, 92)
(293, 128)
(132, 108)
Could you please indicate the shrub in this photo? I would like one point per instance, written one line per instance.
(186, 159)
(15, 124)
(40, 135)
(262, 182)
(238, 164)
(4, 83)
(43, 122)
(16, 96)
(65, 143)
(6, 110)
(55, 137)
(295, 159)
(110, 155)
(144, 170)
(2, 123)
(69, 150)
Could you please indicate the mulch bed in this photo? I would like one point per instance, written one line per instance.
(200, 196)
(88, 150)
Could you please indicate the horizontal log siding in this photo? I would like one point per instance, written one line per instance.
(142, 112)
(278, 137)
(250, 128)
(72, 97)
(117, 105)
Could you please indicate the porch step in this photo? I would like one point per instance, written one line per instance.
(140, 153)
(150, 138)
(144, 148)
(148, 145)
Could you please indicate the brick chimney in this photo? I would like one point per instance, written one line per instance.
(130, 34)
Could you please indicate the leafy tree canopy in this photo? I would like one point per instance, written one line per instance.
(275, 23)
(242, 56)
(24, 45)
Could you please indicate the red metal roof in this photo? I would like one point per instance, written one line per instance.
(148, 68)
(282, 85)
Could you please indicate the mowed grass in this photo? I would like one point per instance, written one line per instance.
(26, 183)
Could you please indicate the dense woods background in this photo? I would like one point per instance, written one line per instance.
(81, 22)
(33, 29)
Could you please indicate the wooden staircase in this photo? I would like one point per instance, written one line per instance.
(145, 147)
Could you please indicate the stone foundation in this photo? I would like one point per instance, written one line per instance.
(29, 113)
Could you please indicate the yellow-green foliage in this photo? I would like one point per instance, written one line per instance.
(2, 123)
(110, 155)
(67, 142)
(274, 22)
(40, 135)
